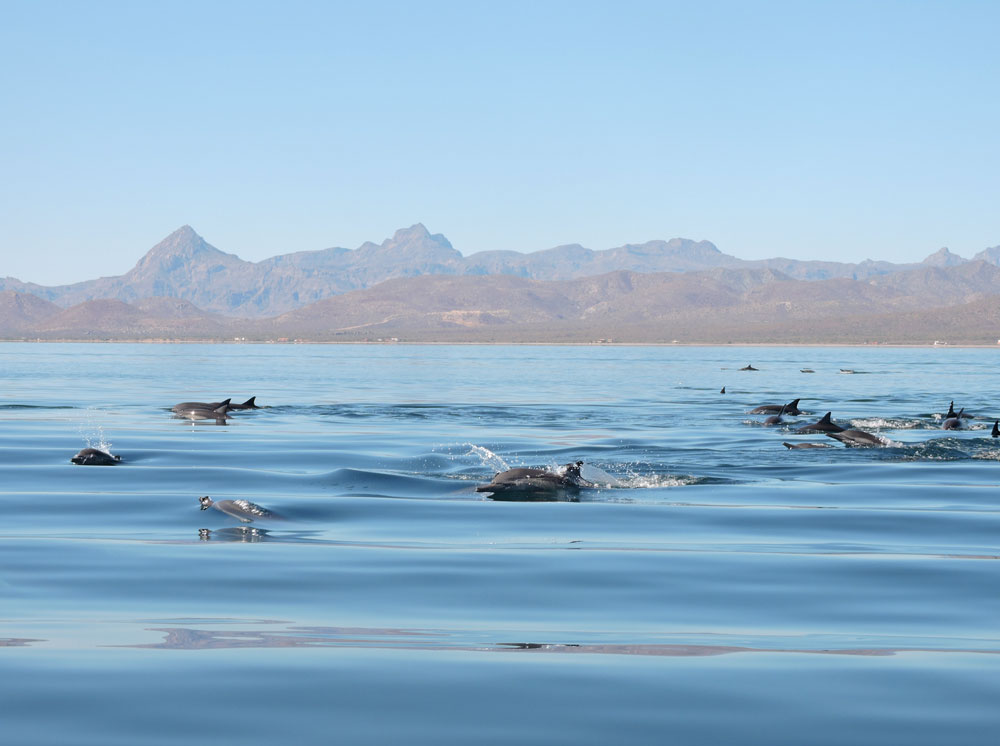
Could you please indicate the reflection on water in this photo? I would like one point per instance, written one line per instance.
(186, 638)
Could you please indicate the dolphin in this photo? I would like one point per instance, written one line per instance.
(204, 413)
(248, 404)
(95, 457)
(749, 367)
(960, 415)
(791, 408)
(723, 390)
(774, 419)
(822, 425)
(800, 446)
(186, 405)
(807, 370)
(534, 484)
(858, 438)
(954, 423)
(996, 430)
(245, 510)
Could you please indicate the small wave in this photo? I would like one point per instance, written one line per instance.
(36, 406)
(888, 423)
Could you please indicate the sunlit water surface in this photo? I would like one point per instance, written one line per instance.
(714, 587)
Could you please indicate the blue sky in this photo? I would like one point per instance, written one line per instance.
(835, 130)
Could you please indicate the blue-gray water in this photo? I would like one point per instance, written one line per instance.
(725, 590)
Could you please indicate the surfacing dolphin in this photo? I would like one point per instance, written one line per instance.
(248, 404)
(859, 439)
(204, 413)
(954, 423)
(952, 414)
(803, 446)
(823, 425)
(995, 433)
(535, 484)
(186, 405)
(95, 457)
(791, 408)
(244, 510)
(749, 367)
(775, 419)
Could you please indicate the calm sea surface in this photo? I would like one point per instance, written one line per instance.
(715, 587)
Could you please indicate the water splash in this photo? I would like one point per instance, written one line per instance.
(487, 457)
(93, 433)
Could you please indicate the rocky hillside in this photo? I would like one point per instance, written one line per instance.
(957, 304)
(185, 267)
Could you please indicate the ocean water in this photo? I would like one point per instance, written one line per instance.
(712, 587)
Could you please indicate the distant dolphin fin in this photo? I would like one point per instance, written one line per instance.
(249, 402)
(951, 410)
(723, 390)
(996, 430)
(825, 419)
(793, 404)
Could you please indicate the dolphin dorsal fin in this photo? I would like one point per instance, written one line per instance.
(951, 410)
(960, 412)
(826, 418)
(225, 403)
(249, 402)
(794, 404)
(996, 430)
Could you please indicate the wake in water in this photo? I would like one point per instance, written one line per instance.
(618, 476)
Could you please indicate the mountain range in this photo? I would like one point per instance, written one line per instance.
(416, 287)
(184, 266)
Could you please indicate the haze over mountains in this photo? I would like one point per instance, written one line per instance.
(415, 285)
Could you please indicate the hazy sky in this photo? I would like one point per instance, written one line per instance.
(838, 130)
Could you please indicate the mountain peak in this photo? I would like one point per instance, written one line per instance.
(417, 234)
(176, 251)
(944, 258)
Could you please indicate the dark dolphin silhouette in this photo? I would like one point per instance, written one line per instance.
(960, 415)
(996, 430)
(791, 408)
(723, 390)
(822, 425)
(801, 446)
(95, 457)
(749, 367)
(774, 419)
(535, 484)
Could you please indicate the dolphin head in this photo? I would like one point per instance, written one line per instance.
(206, 502)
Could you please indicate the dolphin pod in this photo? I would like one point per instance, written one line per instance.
(225, 406)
